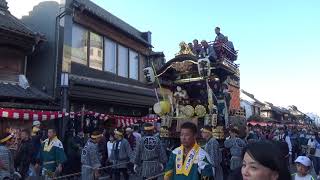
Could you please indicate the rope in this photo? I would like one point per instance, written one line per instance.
(158, 82)
(156, 176)
(106, 167)
(79, 173)
(69, 175)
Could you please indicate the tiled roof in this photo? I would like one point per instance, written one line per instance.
(13, 90)
(252, 97)
(110, 18)
(10, 23)
(157, 54)
(276, 108)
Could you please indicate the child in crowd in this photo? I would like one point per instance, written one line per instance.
(303, 164)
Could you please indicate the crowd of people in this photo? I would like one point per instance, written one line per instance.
(103, 152)
(291, 152)
(260, 153)
(28, 153)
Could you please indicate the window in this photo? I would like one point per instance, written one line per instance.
(96, 45)
(79, 44)
(11, 63)
(122, 61)
(133, 65)
(110, 56)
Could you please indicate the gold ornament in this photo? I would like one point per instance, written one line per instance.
(188, 111)
(184, 49)
(200, 110)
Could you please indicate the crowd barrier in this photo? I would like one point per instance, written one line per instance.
(71, 176)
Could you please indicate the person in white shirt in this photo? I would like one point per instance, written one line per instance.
(136, 133)
(303, 164)
(109, 149)
(285, 137)
(110, 144)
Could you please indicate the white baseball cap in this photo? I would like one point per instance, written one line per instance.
(129, 129)
(36, 123)
(304, 160)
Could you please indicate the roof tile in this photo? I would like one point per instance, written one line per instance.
(111, 19)
(13, 90)
(10, 23)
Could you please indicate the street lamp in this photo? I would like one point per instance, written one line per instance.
(64, 101)
(64, 79)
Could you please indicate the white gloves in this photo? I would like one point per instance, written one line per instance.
(135, 168)
(161, 166)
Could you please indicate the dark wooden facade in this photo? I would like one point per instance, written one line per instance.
(91, 89)
(18, 43)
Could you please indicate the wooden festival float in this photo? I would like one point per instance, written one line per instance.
(199, 88)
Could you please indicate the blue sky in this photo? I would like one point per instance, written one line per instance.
(278, 40)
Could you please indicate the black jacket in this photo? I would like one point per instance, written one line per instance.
(24, 156)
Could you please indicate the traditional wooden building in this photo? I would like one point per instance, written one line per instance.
(273, 112)
(20, 100)
(94, 59)
(250, 104)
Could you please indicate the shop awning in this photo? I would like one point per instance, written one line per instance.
(92, 89)
(32, 115)
(254, 123)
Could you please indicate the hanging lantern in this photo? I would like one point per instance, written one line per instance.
(149, 75)
(204, 67)
(161, 108)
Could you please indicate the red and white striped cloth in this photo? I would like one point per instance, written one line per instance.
(125, 121)
(33, 115)
(150, 118)
(24, 114)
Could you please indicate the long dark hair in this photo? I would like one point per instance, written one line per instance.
(269, 155)
(316, 135)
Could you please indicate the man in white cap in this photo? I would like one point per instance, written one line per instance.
(36, 137)
(303, 164)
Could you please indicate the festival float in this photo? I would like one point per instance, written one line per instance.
(201, 88)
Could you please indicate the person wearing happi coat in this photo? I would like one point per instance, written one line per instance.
(212, 148)
(52, 155)
(236, 145)
(90, 158)
(189, 161)
(150, 155)
(120, 155)
(6, 157)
